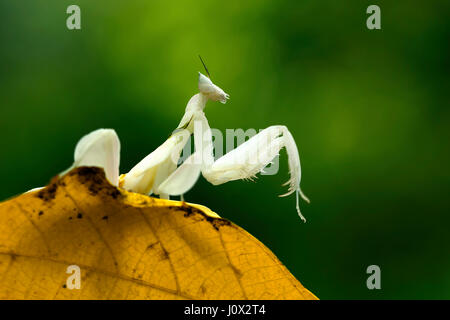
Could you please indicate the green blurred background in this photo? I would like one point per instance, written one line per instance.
(369, 111)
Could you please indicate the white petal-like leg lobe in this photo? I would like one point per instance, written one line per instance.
(156, 167)
(142, 176)
(248, 159)
(183, 178)
(100, 148)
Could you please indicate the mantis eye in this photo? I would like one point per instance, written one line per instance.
(209, 89)
(205, 84)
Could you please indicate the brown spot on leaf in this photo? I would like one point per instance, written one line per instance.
(236, 271)
(49, 192)
(164, 253)
(190, 211)
(96, 182)
(150, 246)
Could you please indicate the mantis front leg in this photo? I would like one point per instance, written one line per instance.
(244, 162)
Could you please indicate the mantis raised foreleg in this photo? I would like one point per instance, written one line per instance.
(158, 172)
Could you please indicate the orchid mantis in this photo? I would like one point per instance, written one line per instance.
(159, 173)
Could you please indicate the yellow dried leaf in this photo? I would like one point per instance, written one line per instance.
(129, 246)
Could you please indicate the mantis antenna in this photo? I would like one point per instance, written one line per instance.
(204, 66)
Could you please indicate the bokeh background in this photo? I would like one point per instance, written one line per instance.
(369, 111)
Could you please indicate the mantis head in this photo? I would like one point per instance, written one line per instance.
(210, 90)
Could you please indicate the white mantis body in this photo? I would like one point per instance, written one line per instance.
(159, 174)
